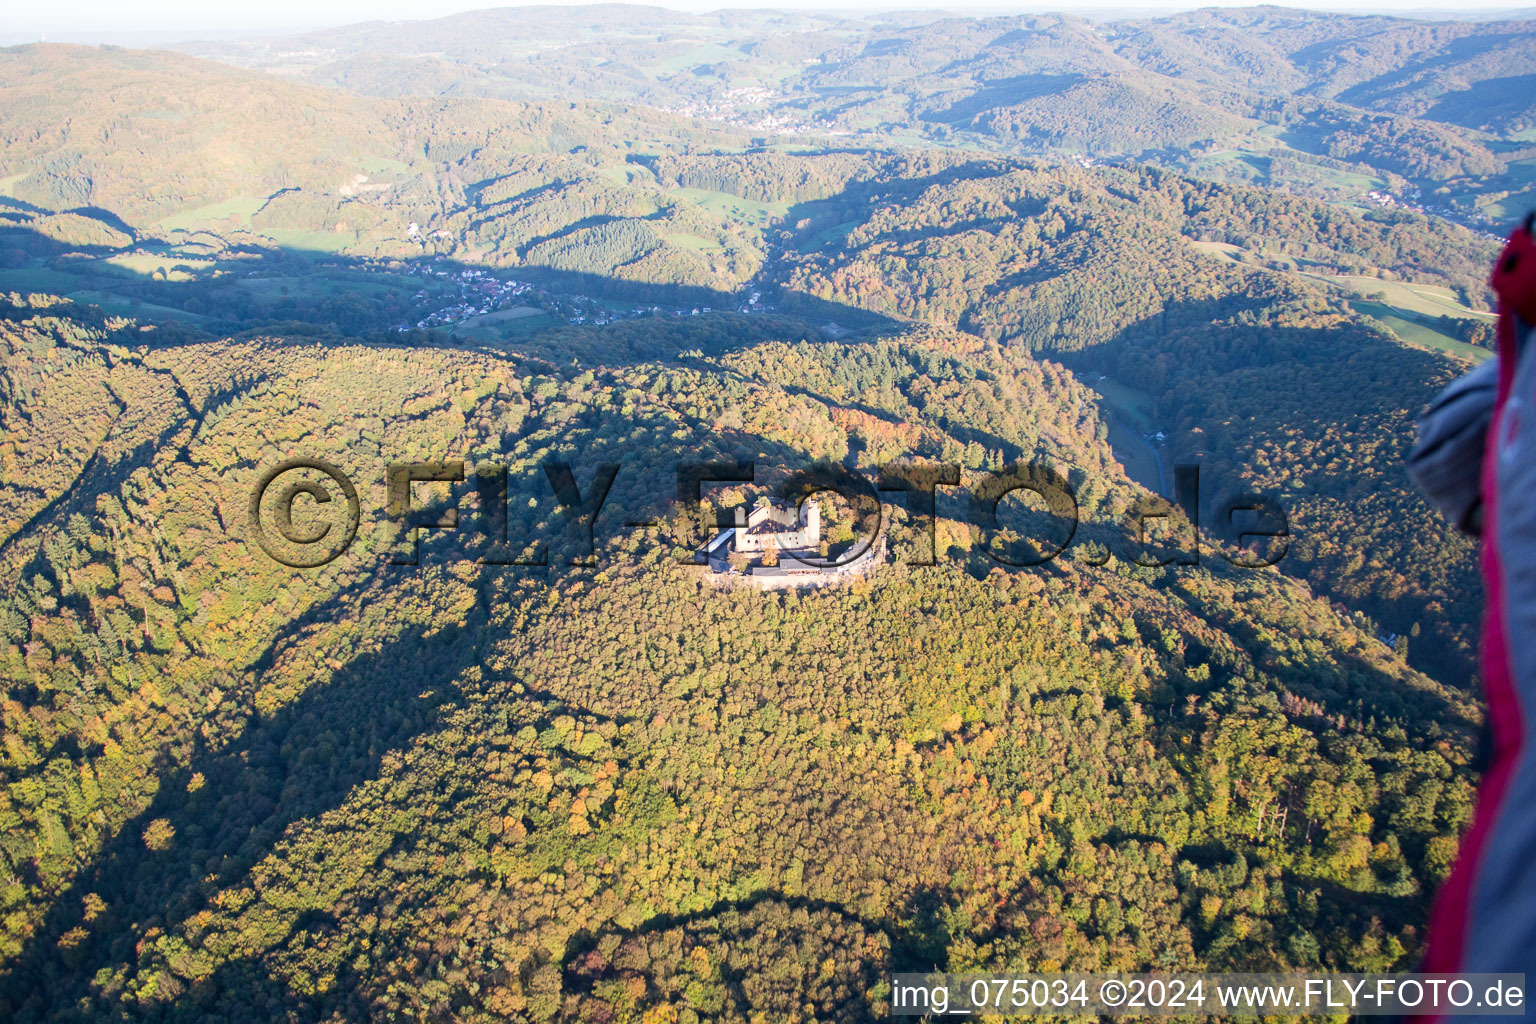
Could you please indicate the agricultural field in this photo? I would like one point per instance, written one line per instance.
(731, 207)
(504, 324)
(240, 208)
(1411, 329)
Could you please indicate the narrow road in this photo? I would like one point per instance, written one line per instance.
(1162, 473)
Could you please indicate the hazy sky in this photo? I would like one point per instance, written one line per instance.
(180, 19)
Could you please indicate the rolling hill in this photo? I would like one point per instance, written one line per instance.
(541, 772)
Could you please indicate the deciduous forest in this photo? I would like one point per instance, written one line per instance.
(484, 773)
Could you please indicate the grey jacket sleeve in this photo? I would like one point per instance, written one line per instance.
(1447, 463)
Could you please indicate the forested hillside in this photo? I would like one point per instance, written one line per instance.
(497, 785)
(1431, 113)
(234, 787)
(1251, 365)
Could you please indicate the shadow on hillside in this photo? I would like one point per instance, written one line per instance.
(227, 808)
(1240, 396)
(759, 946)
(275, 293)
(1004, 92)
(107, 476)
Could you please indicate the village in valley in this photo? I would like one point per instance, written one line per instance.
(482, 294)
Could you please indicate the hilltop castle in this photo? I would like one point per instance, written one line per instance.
(779, 526)
(788, 537)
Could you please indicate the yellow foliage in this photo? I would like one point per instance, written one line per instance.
(665, 1014)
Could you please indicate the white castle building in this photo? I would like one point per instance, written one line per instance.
(795, 535)
(780, 526)
(772, 524)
